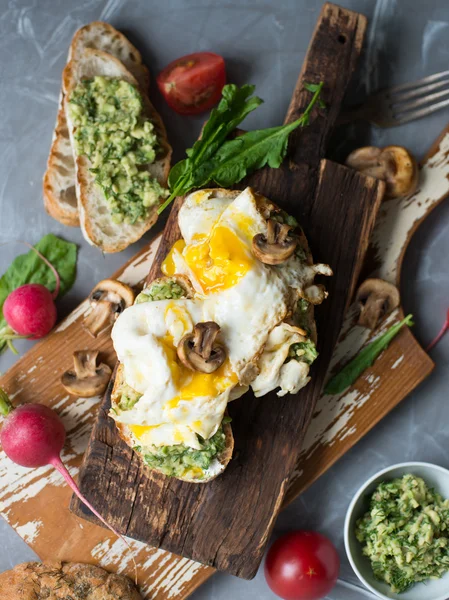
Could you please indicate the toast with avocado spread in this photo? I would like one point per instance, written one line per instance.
(122, 156)
(59, 180)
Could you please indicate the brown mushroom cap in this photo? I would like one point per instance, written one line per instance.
(393, 164)
(198, 351)
(87, 379)
(277, 246)
(376, 298)
(108, 299)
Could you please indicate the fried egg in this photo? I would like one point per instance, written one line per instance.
(248, 299)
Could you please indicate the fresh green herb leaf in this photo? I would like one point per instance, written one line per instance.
(213, 158)
(313, 87)
(235, 105)
(29, 268)
(364, 359)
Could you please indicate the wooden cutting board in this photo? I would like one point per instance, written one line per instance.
(226, 522)
(35, 502)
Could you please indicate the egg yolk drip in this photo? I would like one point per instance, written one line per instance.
(218, 261)
(191, 384)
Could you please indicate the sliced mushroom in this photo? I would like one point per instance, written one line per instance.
(393, 164)
(376, 299)
(87, 379)
(277, 246)
(199, 351)
(108, 299)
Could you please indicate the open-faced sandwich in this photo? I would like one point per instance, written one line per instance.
(108, 165)
(234, 310)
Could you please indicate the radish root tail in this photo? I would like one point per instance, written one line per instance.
(58, 464)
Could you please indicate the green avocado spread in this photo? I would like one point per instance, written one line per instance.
(405, 533)
(113, 133)
(180, 460)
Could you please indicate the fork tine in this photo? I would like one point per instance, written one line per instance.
(417, 114)
(415, 84)
(396, 98)
(402, 107)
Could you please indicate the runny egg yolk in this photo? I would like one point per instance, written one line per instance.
(218, 261)
(139, 430)
(168, 266)
(193, 384)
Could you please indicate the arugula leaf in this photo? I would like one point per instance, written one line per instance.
(213, 158)
(364, 359)
(29, 268)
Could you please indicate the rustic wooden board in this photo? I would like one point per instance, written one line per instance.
(219, 524)
(36, 502)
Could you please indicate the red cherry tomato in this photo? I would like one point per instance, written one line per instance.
(302, 565)
(193, 83)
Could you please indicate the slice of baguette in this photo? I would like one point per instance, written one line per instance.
(95, 218)
(59, 179)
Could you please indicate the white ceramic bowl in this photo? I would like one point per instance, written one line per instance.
(434, 476)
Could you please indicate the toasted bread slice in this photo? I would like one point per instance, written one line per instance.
(95, 219)
(59, 179)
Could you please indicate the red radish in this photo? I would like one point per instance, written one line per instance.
(30, 309)
(32, 436)
(440, 334)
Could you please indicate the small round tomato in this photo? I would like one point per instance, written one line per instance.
(302, 565)
(193, 83)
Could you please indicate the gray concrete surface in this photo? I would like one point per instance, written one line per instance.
(264, 42)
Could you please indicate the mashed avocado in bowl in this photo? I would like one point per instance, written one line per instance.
(397, 532)
(405, 533)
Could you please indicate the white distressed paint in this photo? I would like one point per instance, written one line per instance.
(29, 531)
(397, 362)
(349, 432)
(398, 217)
(136, 271)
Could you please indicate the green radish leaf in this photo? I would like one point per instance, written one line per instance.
(29, 268)
(364, 359)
